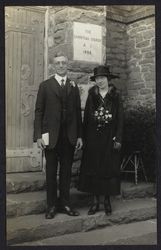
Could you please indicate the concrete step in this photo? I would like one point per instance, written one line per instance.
(35, 202)
(135, 233)
(25, 182)
(33, 181)
(34, 227)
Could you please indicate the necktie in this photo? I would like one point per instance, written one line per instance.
(62, 83)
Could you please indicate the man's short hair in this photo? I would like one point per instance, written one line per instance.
(60, 53)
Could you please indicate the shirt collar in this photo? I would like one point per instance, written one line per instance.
(59, 78)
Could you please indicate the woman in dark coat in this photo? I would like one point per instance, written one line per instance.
(103, 122)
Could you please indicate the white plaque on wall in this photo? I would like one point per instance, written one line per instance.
(87, 42)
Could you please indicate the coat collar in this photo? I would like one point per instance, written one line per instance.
(56, 86)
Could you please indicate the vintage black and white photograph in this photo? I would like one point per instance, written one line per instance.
(80, 84)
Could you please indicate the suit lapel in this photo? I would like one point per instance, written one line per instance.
(69, 87)
(55, 86)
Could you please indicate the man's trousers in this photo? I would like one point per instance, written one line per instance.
(62, 153)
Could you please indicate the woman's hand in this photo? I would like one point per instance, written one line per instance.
(117, 145)
(79, 144)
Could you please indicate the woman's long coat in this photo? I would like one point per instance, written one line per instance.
(100, 167)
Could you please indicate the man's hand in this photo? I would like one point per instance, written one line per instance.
(41, 144)
(79, 144)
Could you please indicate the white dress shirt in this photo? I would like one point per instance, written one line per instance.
(60, 78)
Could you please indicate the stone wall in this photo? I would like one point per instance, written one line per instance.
(140, 55)
(130, 50)
(116, 53)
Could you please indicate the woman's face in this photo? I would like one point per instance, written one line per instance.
(101, 81)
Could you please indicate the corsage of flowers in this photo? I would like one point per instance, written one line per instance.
(72, 83)
(102, 116)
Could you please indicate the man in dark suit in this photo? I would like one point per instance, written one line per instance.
(58, 114)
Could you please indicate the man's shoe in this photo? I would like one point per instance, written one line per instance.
(93, 208)
(69, 211)
(108, 209)
(50, 213)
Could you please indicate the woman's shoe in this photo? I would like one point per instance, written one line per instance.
(107, 205)
(93, 208)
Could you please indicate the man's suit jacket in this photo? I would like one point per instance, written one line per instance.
(48, 111)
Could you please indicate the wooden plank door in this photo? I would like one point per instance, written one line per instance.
(24, 45)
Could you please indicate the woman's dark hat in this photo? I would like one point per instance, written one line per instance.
(103, 71)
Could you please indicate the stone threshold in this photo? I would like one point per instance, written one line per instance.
(25, 182)
(34, 227)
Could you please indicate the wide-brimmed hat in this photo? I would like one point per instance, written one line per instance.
(103, 71)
